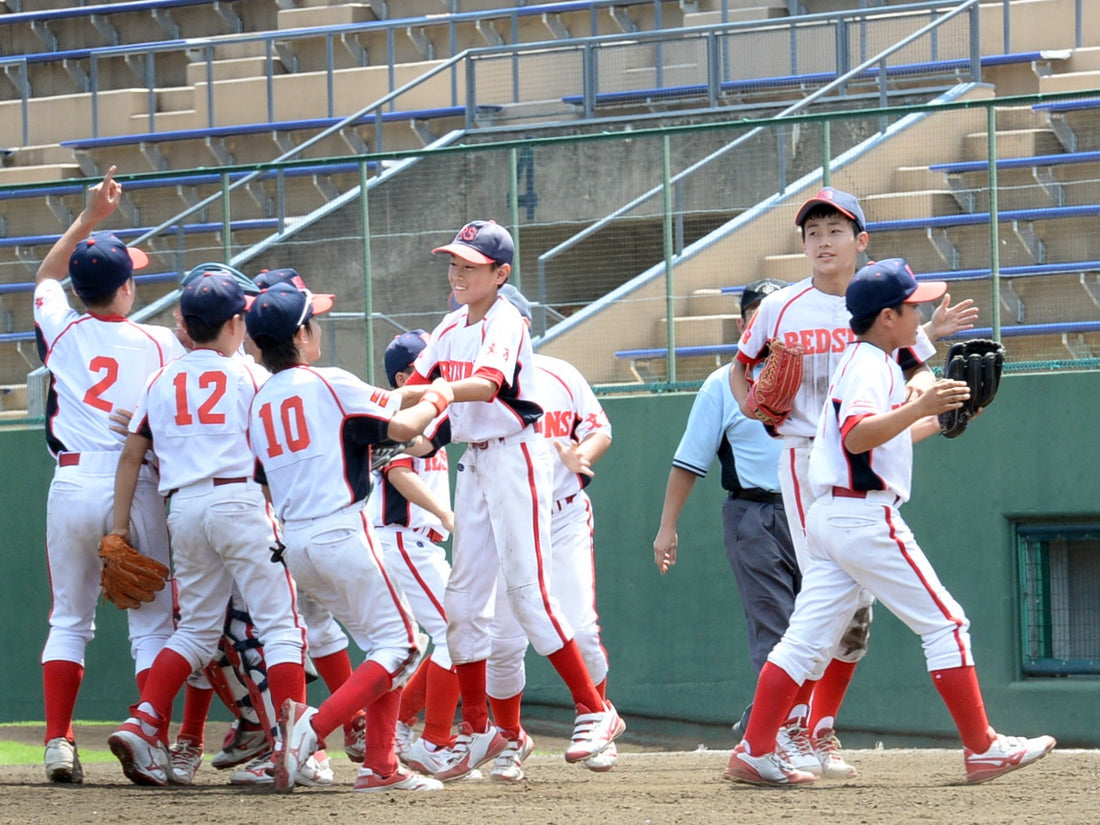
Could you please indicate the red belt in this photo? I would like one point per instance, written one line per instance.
(73, 459)
(217, 482)
(564, 502)
(844, 492)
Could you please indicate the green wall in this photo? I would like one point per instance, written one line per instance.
(677, 642)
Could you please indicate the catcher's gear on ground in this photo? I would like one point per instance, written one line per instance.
(978, 362)
(773, 391)
(129, 578)
(384, 452)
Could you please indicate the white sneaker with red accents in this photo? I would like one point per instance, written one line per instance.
(792, 740)
(508, 766)
(471, 750)
(185, 758)
(241, 745)
(144, 758)
(1005, 754)
(355, 738)
(593, 732)
(604, 760)
(402, 780)
(827, 750)
(315, 772)
(768, 769)
(299, 742)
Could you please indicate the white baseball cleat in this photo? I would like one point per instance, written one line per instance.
(471, 750)
(355, 738)
(404, 737)
(299, 742)
(827, 750)
(186, 759)
(508, 766)
(144, 758)
(792, 740)
(768, 769)
(403, 780)
(62, 762)
(241, 745)
(604, 760)
(315, 772)
(1005, 754)
(593, 732)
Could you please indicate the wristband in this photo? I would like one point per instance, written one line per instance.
(436, 400)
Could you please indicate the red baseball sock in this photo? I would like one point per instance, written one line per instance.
(963, 696)
(570, 666)
(506, 714)
(415, 697)
(601, 689)
(775, 695)
(442, 699)
(828, 694)
(381, 724)
(334, 669)
(800, 707)
(196, 707)
(368, 681)
(60, 683)
(286, 680)
(164, 680)
(140, 679)
(471, 684)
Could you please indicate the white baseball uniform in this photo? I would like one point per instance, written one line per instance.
(800, 314)
(311, 430)
(571, 413)
(410, 537)
(857, 539)
(195, 411)
(504, 489)
(97, 364)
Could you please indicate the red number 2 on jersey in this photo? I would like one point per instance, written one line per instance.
(215, 382)
(295, 430)
(94, 396)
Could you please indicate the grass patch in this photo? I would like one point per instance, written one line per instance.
(16, 750)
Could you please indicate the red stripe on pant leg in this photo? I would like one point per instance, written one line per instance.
(538, 543)
(416, 575)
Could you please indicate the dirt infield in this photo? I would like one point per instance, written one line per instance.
(648, 787)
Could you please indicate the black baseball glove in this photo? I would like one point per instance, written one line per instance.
(978, 362)
(386, 451)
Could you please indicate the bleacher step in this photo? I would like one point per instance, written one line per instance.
(700, 330)
(232, 69)
(44, 173)
(310, 16)
(896, 206)
(734, 15)
(1070, 82)
(793, 267)
(1015, 143)
(13, 398)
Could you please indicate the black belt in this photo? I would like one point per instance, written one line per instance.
(756, 494)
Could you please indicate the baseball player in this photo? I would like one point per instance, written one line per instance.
(860, 470)
(194, 415)
(98, 363)
(811, 314)
(757, 535)
(503, 498)
(311, 432)
(575, 423)
(411, 513)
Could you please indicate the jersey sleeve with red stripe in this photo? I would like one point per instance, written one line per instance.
(868, 382)
(311, 429)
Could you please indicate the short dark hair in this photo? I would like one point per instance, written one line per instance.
(201, 332)
(102, 301)
(823, 210)
(280, 355)
(861, 325)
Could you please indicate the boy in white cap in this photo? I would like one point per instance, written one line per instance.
(98, 362)
(861, 471)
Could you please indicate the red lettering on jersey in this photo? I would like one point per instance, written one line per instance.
(380, 397)
(556, 423)
(455, 370)
(39, 302)
(819, 340)
(596, 421)
(436, 462)
(493, 351)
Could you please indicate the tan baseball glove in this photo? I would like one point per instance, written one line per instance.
(772, 393)
(129, 578)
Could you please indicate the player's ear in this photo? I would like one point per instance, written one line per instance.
(502, 273)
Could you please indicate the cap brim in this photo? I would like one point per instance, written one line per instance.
(927, 291)
(800, 218)
(466, 253)
(322, 302)
(138, 257)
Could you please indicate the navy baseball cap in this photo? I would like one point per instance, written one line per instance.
(101, 263)
(322, 301)
(888, 283)
(513, 295)
(480, 242)
(213, 298)
(213, 268)
(842, 202)
(278, 312)
(757, 291)
(402, 351)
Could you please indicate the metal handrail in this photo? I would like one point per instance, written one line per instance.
(969, 6)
